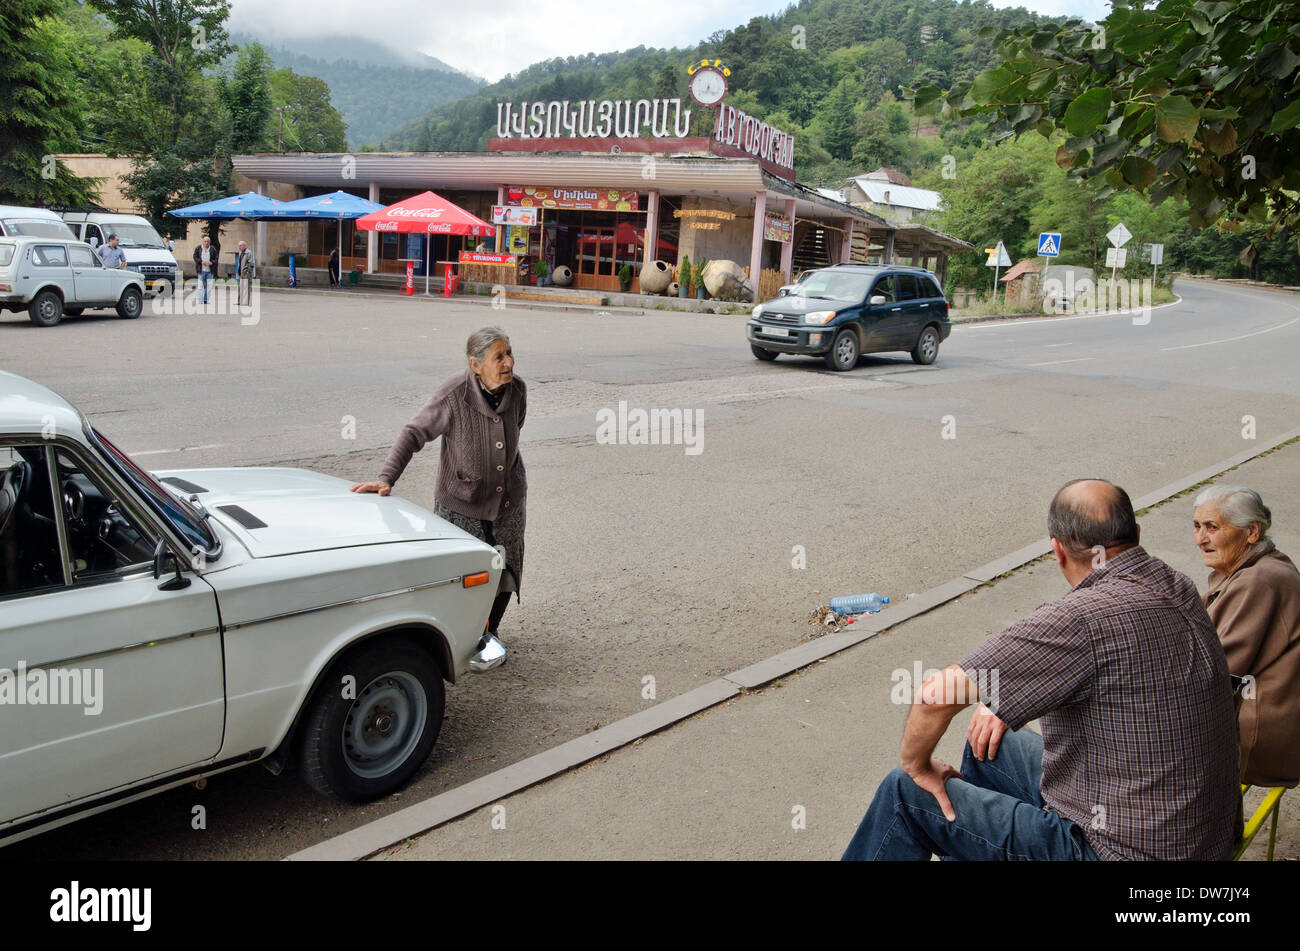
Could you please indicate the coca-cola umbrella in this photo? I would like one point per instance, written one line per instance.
(426, 213)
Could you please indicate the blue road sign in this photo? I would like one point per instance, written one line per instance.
(1049, 244)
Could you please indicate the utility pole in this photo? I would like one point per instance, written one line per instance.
(279, 139)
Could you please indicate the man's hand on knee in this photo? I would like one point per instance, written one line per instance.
(985, 733)
(931, 778)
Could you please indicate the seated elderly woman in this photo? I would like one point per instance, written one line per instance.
(1254, 601)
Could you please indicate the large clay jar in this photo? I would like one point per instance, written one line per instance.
(672, 289)
(726, 280)
(655, 277)
(562, 276)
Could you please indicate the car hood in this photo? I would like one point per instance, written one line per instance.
(275, 511)
(798, 306)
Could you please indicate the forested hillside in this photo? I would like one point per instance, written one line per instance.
(375, 89)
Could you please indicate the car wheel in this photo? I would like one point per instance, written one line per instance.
(46, 309)
(765, 355)
(131, 303)
(372, 721)
(927, 346)
(73, 311)
(843, 354)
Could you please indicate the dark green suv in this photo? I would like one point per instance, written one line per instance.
(845, 310)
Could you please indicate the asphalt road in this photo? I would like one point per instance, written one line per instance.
(649, 560)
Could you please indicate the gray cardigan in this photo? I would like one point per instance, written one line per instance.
(480, 471)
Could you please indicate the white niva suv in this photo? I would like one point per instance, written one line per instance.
(49, 277)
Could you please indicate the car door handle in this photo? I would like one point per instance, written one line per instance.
(895, 308)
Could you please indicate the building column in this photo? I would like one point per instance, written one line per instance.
(756, 251)
(888, 254)
(651, 227)
(846, 253)
(372, 237)
(259, 232)
(787, 249)
(501, 200)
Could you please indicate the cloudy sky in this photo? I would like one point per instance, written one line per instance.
(497, 37)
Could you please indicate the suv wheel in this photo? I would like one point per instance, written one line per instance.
(46, 309)
(927, 346)
(764, 355)
(363, 743)
(843, 354)
(131, 303)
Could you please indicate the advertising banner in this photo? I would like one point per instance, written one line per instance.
(777, 228)
(514, 215)
(588, 199)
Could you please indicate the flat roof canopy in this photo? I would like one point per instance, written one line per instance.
(734, 179)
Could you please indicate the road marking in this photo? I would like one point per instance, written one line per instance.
(1049, 346)
(1211, 343)
(1057, 363)
(163, 452)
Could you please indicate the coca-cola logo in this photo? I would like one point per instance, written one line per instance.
(415, 212)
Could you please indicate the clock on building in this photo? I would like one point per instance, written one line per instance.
(708, 86)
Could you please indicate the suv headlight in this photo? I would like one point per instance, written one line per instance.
(757, 311)
(819, 317)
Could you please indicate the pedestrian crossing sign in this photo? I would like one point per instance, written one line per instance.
(1049, 244)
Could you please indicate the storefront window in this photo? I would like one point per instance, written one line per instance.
(669, 230)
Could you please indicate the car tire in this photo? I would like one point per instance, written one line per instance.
(363, 743)
(843, 354)
(927, 346)
(765, 355)
(46, 309)
(73, 311)
(131, 303)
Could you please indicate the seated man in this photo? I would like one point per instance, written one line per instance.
(1138, 754)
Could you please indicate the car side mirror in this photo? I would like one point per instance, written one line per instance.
(877, 299)
(160, 555)
(92, 241)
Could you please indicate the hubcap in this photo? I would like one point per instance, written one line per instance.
(47, 308)
(385, 724)
(928, 345)
(846, 352)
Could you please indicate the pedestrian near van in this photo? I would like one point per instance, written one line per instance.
(110, 255)
(206, 255)
(333, 268)
(481, 481)
(244, 273)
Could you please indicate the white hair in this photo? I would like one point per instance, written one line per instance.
(481, 340)
(1239, 506)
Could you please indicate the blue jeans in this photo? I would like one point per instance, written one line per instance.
(1000, 814)
(205, 284)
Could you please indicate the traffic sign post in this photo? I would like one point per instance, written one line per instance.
(997, 259)
(1116, 256)
(1049, 244)
(1156, 255)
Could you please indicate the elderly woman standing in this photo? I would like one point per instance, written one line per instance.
(1254, 601)
(481, 482)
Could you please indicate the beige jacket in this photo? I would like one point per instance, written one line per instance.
(1256, 611)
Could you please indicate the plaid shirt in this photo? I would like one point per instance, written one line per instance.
(1131, 685)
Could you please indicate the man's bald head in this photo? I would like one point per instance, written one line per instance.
(1087, 513)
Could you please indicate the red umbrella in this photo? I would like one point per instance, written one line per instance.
(426, 213)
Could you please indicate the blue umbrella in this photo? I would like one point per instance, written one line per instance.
(334, 205)
(249, 205)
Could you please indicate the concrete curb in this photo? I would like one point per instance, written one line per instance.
(1114, 313)
(414, 820)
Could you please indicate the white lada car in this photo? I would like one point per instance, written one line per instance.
(160, 627)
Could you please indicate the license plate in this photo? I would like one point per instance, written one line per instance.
(776, 331)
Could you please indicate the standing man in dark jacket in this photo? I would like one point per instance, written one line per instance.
(206, 255)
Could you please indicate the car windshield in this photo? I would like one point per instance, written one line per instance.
(187, 522)
(836, 285)
(133, 235)
(6, 254)
(38, 228)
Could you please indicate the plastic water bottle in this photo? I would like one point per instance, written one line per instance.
(858, 604)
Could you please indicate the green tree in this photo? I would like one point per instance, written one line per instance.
(38, 111)
(667, 82)
(838, 121)
(1191, 98)
(312, 124)
(247, 98)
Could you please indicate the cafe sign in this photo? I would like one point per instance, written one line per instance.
(776, 228)
(594, 119)
(740, 130)
(586, 199)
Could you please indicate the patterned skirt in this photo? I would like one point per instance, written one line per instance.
(507, 532)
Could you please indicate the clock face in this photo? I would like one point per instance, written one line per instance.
(708, 86)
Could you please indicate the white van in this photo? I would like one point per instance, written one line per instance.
(145, 250)
(16, 221)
